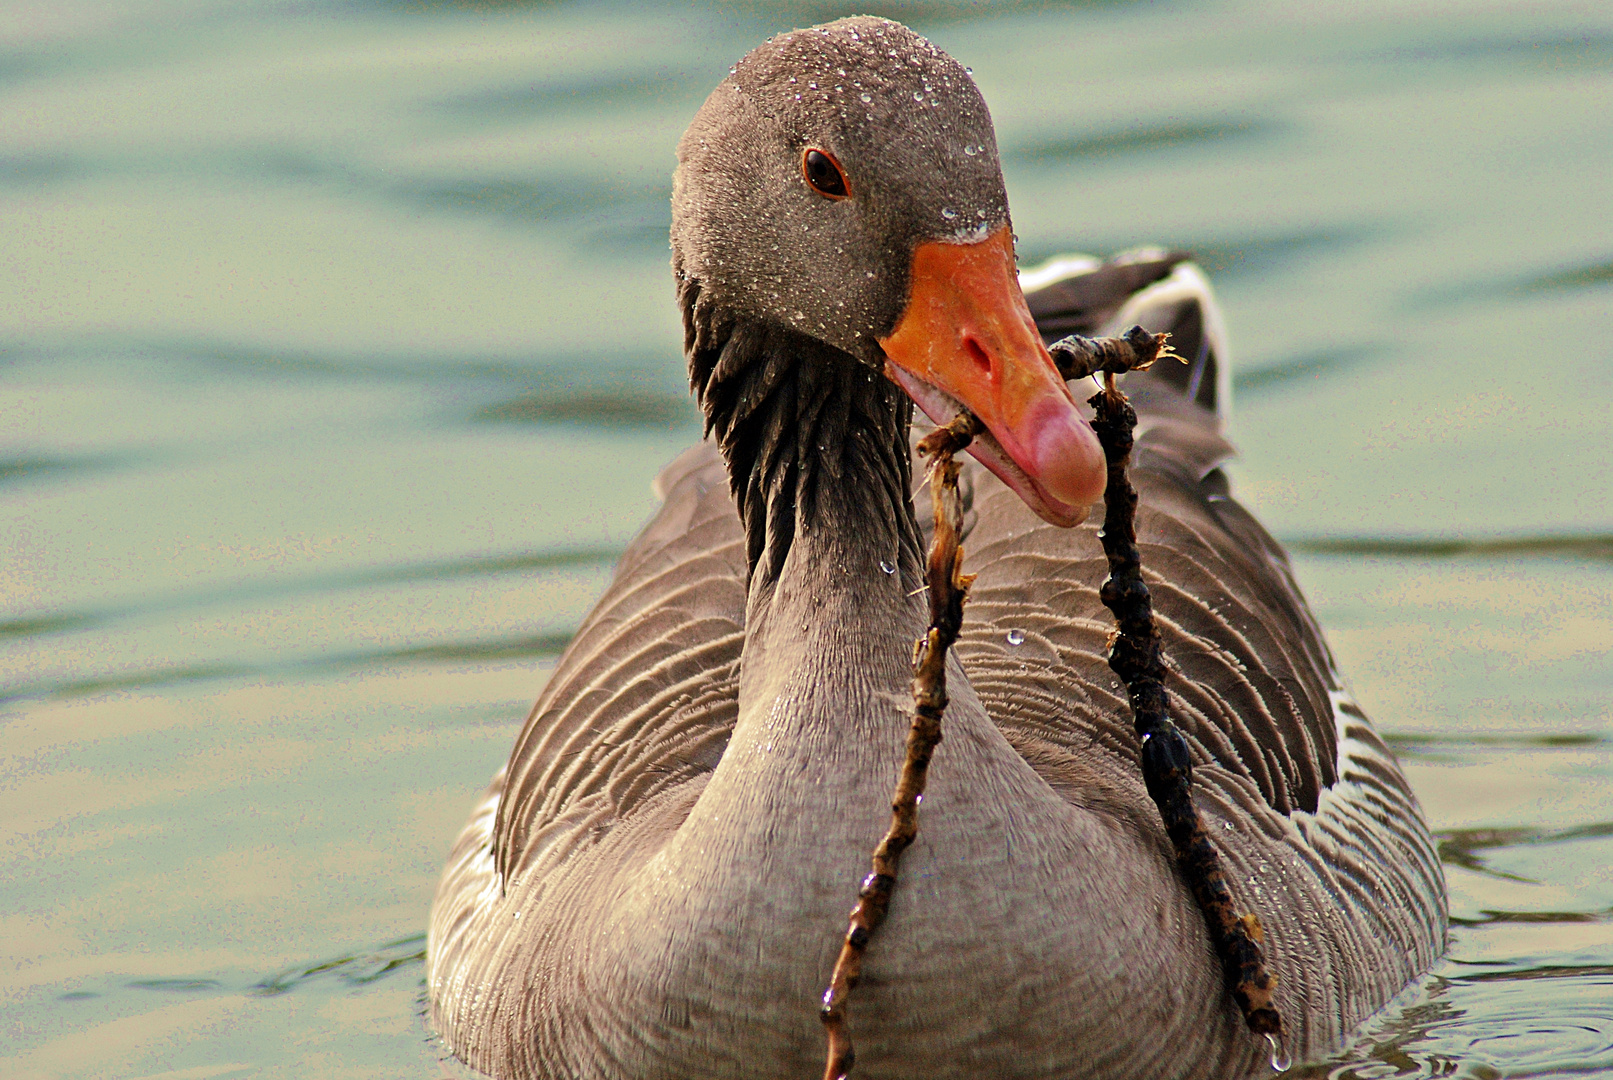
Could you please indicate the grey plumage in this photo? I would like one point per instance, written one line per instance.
(656, 883)
(763, 246)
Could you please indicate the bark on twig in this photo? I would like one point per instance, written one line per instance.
(948, 586)
(1167, 766)
(1134, 656)
(1136, 350)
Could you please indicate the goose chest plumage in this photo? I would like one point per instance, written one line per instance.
(656, 884)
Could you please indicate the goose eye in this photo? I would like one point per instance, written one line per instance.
(823, 173)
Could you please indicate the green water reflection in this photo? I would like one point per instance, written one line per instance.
(337, 353)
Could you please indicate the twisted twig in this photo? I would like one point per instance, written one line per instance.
(1167, 767)
(948, 586)
(1134, 656)
(1136, 350)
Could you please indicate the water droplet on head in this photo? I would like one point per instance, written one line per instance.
(918, 95)
(968, 71)
(885, 565)
(971, 151)
(1281, 1061)
(1015, 636)
(949, 213)
(868, 97)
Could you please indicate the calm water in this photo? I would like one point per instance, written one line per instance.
(337, 352)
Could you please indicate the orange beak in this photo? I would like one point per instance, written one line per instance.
(967, 340)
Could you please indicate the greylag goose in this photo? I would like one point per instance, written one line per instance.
(656, 884)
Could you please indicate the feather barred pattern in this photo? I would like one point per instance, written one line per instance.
(640, 708)
(643, 699)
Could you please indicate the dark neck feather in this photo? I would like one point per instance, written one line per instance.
(813, 438)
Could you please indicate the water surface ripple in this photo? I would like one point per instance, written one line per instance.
(338, 353)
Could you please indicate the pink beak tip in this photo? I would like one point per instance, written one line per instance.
(1065, 458)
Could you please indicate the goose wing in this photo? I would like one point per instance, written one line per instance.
(1249, 674)
(647, 693)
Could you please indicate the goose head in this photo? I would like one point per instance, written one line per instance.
(843, 182)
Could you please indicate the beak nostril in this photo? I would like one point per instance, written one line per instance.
(977, 355)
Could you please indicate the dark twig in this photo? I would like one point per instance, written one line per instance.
(948, 587)
(1135, 350)
(1167, 767)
